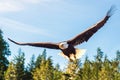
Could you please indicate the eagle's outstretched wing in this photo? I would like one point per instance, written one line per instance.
(39, 44)
(84, 36)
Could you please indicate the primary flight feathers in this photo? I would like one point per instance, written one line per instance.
(67, 47)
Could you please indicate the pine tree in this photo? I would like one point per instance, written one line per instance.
(116, 66)
(106, 72)
(4, 53)
(19, 64)
(45, 69)
(97, 65)
(40, 58)
(118, 56)
(72, 70)
(11, 72)
(99, 55)
(87, 70)
(31, 65)
(57, 73)
(118, 59)
(30, 68)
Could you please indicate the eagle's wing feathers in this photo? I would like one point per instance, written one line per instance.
(84, 36)
(39, 44)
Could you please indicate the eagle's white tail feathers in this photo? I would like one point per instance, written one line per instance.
(78, 55)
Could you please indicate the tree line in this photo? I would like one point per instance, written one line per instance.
(42, 68)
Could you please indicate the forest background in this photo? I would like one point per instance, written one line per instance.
(42, 68)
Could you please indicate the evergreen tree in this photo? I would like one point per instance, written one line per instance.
(105, 72)
(31, 65)
(118, 60)
(45, 69)
(4, 53)
(40, 58)
(11, 72)
(99, 55)
(97, 65)
(57, 73)
(30, 68)
(87, 70)
(72, 70)
(19, 64)
(118, 56)
(116, 66)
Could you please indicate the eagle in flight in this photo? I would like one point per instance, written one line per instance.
(68, 47)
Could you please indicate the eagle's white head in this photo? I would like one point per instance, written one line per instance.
(63, 45)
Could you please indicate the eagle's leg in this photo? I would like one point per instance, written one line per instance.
(72, 57)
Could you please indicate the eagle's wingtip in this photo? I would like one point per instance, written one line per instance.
(111, 10)
(12, 41)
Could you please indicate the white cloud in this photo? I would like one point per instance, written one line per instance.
(6, 6)
(21, 27)
(18, 5)
(15, 5)
(31, 1)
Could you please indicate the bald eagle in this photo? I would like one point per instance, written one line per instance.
(68, 47)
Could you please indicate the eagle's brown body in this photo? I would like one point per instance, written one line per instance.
(68, 47)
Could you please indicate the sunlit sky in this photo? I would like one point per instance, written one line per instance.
(59, 20)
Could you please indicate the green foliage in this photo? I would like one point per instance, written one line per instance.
(57, 73)
(100, 69)
(99, 55)
(40, 58)
(31, 65)
(4, 53)
(11, 72)
(72, 70)
(118, 55)
(30, 68)
(45, 68)
(19, 64)
(16, 68)
(87, 70)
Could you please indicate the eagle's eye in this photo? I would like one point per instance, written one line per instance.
(63, 45)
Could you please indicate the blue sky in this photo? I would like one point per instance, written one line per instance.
(59, 20)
